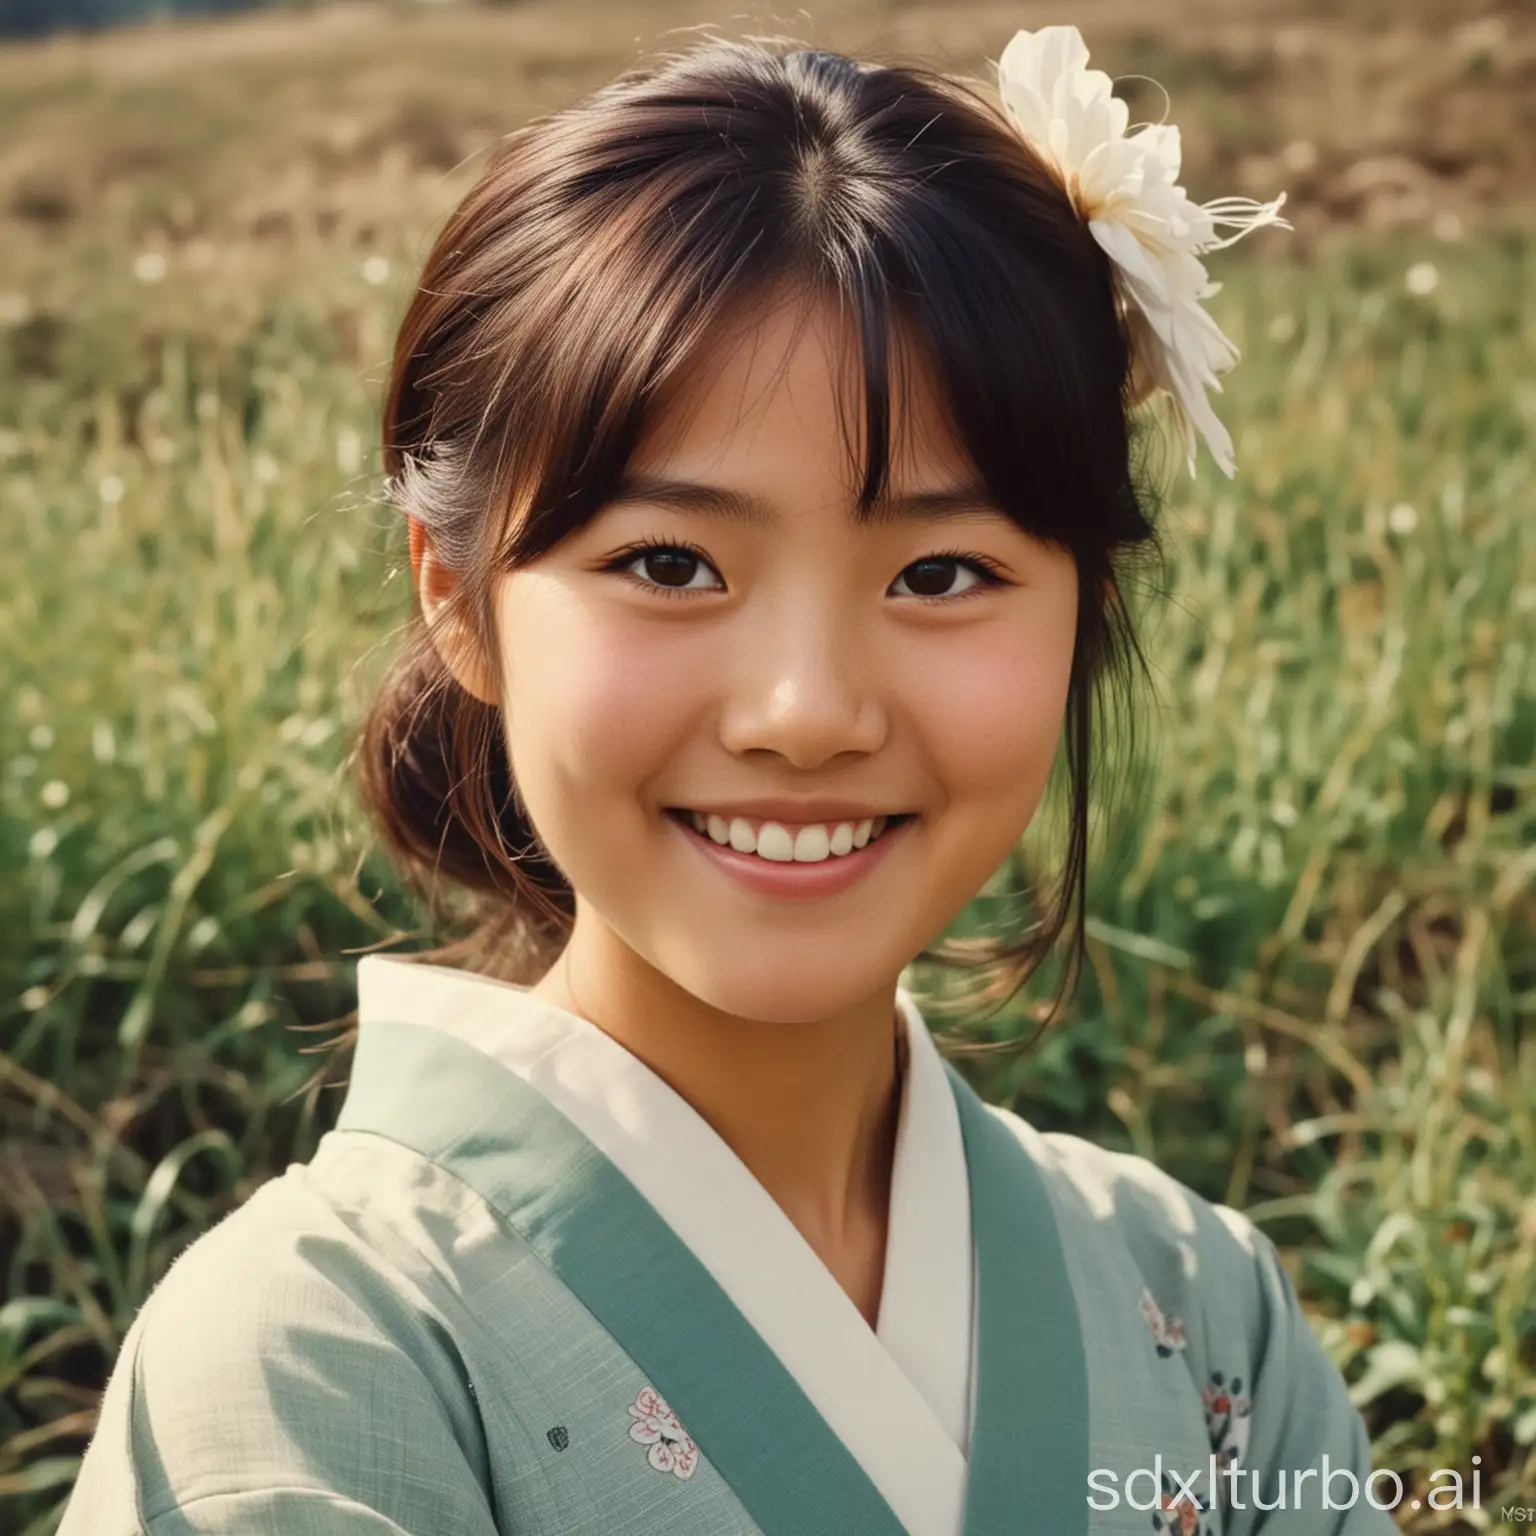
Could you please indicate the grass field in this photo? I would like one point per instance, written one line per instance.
(1313, 982)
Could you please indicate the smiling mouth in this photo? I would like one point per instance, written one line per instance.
(778, 844)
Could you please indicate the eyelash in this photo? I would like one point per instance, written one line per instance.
(983, 565)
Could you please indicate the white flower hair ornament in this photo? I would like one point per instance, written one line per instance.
(1126, 188)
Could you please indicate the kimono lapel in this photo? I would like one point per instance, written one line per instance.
(599, 1235)
(927, 1300)
(897, 1398)
(522, 1132)
(1029, 1439)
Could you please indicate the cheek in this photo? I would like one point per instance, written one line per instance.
(588, 708)
(994, 722)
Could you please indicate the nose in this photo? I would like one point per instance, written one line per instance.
(804, 685)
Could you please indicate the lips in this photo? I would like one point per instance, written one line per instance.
(822, 876)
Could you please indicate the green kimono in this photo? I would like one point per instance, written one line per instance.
(524, 1289)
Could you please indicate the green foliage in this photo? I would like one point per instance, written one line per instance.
(1312, 974)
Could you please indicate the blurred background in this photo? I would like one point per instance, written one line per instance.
(1312, 981)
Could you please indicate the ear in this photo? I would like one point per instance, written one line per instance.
(455, 644)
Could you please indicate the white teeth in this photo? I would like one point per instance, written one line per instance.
(812, 845)
(775, 842)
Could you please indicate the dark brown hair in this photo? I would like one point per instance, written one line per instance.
(587, 266)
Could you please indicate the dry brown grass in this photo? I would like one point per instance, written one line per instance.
(234, 145)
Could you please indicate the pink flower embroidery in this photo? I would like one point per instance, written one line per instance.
(1180, 1513)
(1167, 1331)
(671, 1446)
(1227, 1411)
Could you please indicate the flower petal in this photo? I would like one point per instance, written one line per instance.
(1126, 189)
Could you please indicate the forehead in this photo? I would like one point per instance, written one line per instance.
(787, 378)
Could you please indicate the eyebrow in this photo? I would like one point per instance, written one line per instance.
(971, 499)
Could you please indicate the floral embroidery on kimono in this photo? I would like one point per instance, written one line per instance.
(671, 1446)
(1167, 1330)
(1180, 1512)
(1226, 1417)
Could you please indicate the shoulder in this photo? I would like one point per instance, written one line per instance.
(1137, 1196)
(296, 1255)
(321, 1266)
(1197, 1258)
(1213, 1292)
(283, 1350)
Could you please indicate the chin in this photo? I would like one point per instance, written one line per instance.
(787, 982)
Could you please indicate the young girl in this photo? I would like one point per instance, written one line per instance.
(761, 424)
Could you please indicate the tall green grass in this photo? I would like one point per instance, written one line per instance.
(1312, 975)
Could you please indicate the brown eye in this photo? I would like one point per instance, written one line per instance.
(665, 567)
(932, 577)
(670, 567)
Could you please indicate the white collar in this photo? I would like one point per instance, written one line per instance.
(899, 1397)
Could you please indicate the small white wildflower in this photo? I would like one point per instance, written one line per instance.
(344, 552)
(34, 998)
(1453, 502)
(1283, 814)
(264, 467)
(110, 488)
(40, 738)
(42, 843)
(161, 449)
(149, 266)
(1282, 327)
(349, 451)
(15, 309)
(54, 794)
(253, 1013)
(103, 742)
(376, 270)
(1299, 156)
(1447, 226)
(1422, 278)
(202, 933)
(1402, 519)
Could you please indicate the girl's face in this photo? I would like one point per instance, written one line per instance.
(765, 648)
